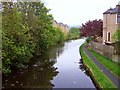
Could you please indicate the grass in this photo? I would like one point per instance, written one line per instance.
(99, 76)
(112, 66)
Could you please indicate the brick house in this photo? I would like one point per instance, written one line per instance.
(111, 22)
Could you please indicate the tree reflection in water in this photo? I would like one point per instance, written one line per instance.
(56, 51)
(38, 75)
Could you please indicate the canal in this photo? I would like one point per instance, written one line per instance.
(60, 67)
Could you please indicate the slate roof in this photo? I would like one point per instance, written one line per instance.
(112, 11)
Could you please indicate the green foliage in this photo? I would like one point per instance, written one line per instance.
(16, 41)
(60, 35)
(88, 39)
(116, 35)
(26, 30)
(74, 33)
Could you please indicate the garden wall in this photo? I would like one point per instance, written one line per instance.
(107, 50)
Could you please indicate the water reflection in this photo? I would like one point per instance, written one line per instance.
(70, 75)
(55, 52)
(56, 68)
(83, 68)
(39, 74)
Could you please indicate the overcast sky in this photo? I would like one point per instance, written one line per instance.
(76, 12)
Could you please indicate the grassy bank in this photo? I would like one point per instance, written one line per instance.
(107, 62)
(99, 76)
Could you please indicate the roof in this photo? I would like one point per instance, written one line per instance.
(66, 25)
(55, 21)
(112, 10)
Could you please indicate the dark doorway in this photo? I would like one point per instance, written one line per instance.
(109, 36)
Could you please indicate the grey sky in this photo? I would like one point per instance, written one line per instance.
(76, 12)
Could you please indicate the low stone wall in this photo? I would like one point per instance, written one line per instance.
(107, 50)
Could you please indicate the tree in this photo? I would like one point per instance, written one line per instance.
(74, 33)
(17, 47)
(92, 28)
(116, 35)
(116, 38)
(27, 30)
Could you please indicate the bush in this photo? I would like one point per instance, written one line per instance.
(88, 39)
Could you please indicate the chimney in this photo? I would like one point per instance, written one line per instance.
(118, 16)
(118, 6)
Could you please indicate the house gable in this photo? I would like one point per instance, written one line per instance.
(111, 22)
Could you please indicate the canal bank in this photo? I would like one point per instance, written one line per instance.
(57, 68)
(100, 79)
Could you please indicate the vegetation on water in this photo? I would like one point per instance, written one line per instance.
(74, 33)
(100, 77)
(26, 30)
(107, 62)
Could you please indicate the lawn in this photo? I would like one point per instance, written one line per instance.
(112, 66)
(99, 76)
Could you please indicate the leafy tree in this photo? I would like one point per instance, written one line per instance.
(116, 35)
(74, 33)
(27, 30)
(92, 28)
(116, 38)
(17, 44)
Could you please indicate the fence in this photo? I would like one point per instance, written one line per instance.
(107, 50)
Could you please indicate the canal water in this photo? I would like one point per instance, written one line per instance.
(60, 67)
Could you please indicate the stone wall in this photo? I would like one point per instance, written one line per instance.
(107, 50)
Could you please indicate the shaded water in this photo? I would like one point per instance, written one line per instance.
(60, 67)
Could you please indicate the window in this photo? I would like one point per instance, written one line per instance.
(118, 18)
